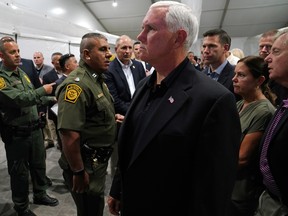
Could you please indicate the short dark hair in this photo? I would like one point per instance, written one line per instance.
(4, 40)
(63, 59)
(56, 53)
(136, 42)
(224, 38)
(86, 44)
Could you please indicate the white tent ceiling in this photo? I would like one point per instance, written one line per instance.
(239, 18)
(243, 18)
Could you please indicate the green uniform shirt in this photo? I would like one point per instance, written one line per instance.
(18, 98)
(256, 116)
(86, 106)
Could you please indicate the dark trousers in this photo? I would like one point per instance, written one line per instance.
(25, 152)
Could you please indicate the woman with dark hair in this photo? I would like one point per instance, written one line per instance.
(255, 111)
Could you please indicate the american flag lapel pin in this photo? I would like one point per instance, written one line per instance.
(171, 99)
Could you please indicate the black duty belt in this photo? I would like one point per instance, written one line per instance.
(101, 154)
(24, 128)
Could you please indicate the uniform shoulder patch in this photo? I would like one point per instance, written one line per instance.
(72, 93)
(2, 83)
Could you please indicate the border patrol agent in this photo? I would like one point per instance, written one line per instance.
(21, 130)
(86, 120)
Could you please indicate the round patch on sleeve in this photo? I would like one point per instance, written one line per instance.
(2, 83)
(72, 93)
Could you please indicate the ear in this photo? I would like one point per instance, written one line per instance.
(66, 67)
(86, 54)
(261, 79)
(181, 36)
(226, 47)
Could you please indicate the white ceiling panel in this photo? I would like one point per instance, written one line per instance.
(130, 27)
(212, 5)
(238, 17)
(247, 30)
(264, 15)
(255, 3)
(210, 18)
(125, 8)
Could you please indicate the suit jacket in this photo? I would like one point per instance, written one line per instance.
(118, 85)
(225, 78)
(58, 82)
(277, 155)
(28, 67)
(44, 70)
(187, 161)
(50, 77)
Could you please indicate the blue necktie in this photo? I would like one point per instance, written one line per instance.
(214, 75)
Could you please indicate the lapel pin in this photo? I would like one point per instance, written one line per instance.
(171, 99)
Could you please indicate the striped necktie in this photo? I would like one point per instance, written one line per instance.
(268, 179)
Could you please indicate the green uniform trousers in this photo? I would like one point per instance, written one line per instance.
(90, 203)
(25, 152)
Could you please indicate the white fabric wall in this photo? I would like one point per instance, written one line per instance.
(249, 45)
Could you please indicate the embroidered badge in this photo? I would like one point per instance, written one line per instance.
(2, 83)
(27, 78)
(72, 93)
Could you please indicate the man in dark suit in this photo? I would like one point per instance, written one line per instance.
(265, 45)
(274, 150)
(122, 77)
(123, 74)
(216, 43)
(68, 63)
(56, 72)
(178, 150)
(136, 50)
(51, 135)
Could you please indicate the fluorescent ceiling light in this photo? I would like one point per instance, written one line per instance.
(58, 11)
(114, 4)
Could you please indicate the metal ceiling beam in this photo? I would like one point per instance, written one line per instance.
(224, 13)
(94, 15)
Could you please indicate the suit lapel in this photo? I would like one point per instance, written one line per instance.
(225, 74)
(280, 123)
(171, 102)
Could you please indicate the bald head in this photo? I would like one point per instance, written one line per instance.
(124, 49)
(38, 59)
